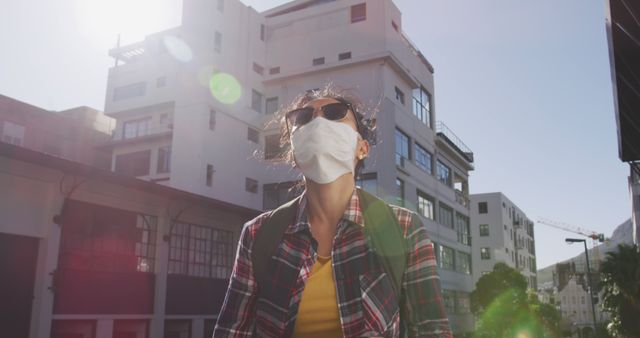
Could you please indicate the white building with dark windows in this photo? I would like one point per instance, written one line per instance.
(502, 232)
(192, 104)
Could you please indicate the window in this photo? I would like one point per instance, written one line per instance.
(129, 91)
(423, 158)
(276, 194)
(426, 205)
(400, 95)
(449, 300)
(400, 191)
(358, 12)
(251, 185)
(445, 215)
(402, 148)
(256, 100)
(483, 208)
(100, 238)
(368, 182)
(258, 68)
(463, 262)
(462, 229)
(220, 6)
(201, 251)
(318, 61)
(161, 82)
(272, 147)
(164, 159)
(271, 105)
(133, 164)
(253, 135)
(274, 70)
(485, 253)
(463, 302)
(484, 230)
(443, 173)
(447, 259)
(262, 32)
(344, 56)
(137, 128)
(209, 174)
(217, 42)
(421, 105)
(12, 133)
(212, 119)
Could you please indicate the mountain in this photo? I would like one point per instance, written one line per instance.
(623, 234)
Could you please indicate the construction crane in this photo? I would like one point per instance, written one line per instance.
(596, 237)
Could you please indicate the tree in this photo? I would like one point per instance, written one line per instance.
(494, 284)
(504, 309)
(621, 287)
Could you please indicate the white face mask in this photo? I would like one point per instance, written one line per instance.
(325, 150)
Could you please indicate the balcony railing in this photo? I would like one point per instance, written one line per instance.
(118, 134)
(462, 198)
(453, 140)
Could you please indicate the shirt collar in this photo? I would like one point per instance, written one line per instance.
(353, 213)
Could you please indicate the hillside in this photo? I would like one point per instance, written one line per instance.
(623, 234)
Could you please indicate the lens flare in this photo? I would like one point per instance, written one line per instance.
(178, 48)
(225, 88)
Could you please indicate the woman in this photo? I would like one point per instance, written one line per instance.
(324, 277)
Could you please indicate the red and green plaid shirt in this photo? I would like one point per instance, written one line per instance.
(367, 303)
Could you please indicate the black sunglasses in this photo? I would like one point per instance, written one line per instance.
(332, 111)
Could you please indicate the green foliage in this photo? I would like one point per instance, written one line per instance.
(621, 286)
(493, 284)
(505, 309)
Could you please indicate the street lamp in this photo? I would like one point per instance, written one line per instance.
(586, 253)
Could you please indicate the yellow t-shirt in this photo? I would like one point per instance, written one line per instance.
(318, 315)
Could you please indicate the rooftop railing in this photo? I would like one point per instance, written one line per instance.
(454, 141)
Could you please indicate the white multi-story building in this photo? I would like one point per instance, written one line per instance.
(501, 232)
(192, 103)
(575, 306)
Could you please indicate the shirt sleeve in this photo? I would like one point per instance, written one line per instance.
(237, 315)
(424, 310)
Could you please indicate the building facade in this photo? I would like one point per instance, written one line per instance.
(193, 105)
(575, 306)
(74, 134)
(624, 53)
(91, 254)
(502, 232)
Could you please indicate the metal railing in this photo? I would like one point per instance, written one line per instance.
(454, 140)
(118, 134)
(462, 199)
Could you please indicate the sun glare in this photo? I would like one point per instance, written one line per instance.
(132, 19)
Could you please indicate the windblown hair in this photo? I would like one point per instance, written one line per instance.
(367, 124)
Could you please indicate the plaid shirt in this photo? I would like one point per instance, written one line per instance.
(367, 303)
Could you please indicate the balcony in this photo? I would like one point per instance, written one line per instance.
(454, 142)
(149, 134)
(519, 245)
(462, 199)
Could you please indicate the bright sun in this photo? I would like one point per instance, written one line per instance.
(132, 19)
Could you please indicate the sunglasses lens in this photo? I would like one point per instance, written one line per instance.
(335, 111)
(300, 116)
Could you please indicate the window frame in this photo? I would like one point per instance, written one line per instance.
(400, 159)
(422, 152)
(358, 17)
(448, 180)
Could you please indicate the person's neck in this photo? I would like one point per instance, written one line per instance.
(328, 202)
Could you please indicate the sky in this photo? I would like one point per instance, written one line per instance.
(525, 84)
